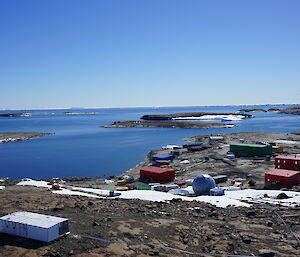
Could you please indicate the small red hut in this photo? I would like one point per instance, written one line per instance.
(287, 178)
(288, 162)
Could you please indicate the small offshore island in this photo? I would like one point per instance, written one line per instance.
(191, 115)
(20, 136)
(182, 120)
(295, 110)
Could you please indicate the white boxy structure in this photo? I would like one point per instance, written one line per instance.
(34, 226)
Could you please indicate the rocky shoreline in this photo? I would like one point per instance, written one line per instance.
(6, 137)
(166, 124)
(212, 159)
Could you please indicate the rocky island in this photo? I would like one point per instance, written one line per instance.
(209, 115)
(17, 114)
(253, 110)
(78, 113)
(167, 124)
(291, 110)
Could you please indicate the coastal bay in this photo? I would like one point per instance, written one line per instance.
(79, 142)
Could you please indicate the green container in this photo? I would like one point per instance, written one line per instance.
(144, 187)
(250, 149)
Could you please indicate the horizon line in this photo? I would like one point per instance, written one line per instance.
(132, 107)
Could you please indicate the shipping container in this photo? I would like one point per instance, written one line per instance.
(288, 162)
(34, 226)
(156, 174)
(277, 149)
(287, 178)
(250, 149)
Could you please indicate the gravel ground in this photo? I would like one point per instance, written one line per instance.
(189, 226)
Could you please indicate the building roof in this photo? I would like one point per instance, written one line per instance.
(162, 156)
(282, 172)
(33, 219)
(288, 157)
(250, 145)
(156, 169)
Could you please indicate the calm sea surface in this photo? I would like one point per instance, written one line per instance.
(80, 147)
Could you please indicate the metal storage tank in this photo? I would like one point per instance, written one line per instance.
(250, 149)
(289, 162)
(202, 184)
(34, 226)
(156, 174)
(288, 178)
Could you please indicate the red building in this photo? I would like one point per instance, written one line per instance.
(288, 162)
(287, 178)
(157, 174)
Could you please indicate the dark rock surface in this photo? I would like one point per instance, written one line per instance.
(254, 110)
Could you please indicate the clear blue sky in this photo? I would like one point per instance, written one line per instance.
(96, 53)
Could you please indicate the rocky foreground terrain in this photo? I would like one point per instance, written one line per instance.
(115, 227)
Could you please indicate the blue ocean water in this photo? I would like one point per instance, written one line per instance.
(80, 147)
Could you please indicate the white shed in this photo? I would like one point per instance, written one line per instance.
(34, 226)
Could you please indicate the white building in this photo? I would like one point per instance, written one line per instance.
(34, 226)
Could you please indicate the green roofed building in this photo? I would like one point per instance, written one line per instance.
(250, 149)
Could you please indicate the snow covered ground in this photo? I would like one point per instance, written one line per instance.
(212, 117)
(231, 198)
(2, 187)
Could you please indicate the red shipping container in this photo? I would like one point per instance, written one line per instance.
(288, 178)
(157, 174)
(288, 162)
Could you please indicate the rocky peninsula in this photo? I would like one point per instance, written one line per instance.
(212, 158)
(167, 124)
(20, 136)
